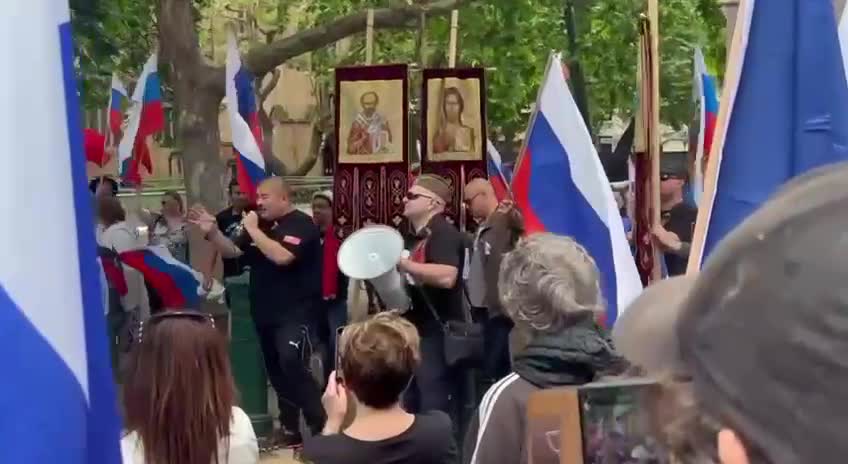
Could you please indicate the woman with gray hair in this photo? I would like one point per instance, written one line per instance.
(550, 288)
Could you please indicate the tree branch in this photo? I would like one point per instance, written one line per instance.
(264, 58)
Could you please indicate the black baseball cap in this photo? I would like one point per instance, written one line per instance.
(762, 330)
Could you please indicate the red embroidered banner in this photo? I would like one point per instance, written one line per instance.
(453, 130)
(371, 140)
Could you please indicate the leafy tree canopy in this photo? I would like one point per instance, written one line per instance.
(511, 38)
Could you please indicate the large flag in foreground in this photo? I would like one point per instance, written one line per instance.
(244, 122)
(560, 186)
(707, 96)
(147, 117)
(785, 111)
(57, 393)
(843, 39)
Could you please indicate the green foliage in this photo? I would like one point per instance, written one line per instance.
(110, 35)
(608, 52)
(510, 38)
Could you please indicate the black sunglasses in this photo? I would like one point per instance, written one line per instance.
(158, 317)
(414, 196)
(665, 176)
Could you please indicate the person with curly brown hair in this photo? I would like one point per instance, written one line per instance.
(377, 359)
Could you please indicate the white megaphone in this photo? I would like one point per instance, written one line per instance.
(372, 253)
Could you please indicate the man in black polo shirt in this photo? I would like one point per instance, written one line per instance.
(283, 248)
(678, 221)
(437, 252)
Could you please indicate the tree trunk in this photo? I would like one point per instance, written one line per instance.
(197, 99)
(199, 86)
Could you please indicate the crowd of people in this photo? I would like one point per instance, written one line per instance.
(749, 352)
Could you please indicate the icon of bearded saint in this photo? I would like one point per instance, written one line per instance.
(370, 132)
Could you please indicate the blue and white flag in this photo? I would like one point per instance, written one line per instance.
(784, 110)
(57, 395)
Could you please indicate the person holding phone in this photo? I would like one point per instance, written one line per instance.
(377, 359)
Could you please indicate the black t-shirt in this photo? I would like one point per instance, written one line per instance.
(680, 219)
(429, 440)
(444, 245)
(281, 293)
(228, 222)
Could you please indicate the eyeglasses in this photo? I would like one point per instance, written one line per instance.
(158, 317)
(468, 201)
(414, 196)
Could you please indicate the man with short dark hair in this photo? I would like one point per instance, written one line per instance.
(229, 220)
(282, 246)
(333, 282)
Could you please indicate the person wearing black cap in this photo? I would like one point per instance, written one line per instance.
(754, 345)
(435, 265)
(678, 217)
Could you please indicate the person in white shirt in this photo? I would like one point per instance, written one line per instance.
(119, 236)
(179, 396)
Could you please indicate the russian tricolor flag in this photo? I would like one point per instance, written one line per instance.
(499, 177)
(785, 112)
(58, 395)
(707, 94)
(560, 186)
(244, 122)
(179, 286)
(117, 95)
(147, 118)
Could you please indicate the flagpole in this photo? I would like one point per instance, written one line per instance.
(733, 73)
(655, 142)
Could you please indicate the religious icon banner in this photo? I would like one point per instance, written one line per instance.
(371, 168)
(453, 130)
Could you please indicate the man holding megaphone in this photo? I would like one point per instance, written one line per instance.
(437, 252)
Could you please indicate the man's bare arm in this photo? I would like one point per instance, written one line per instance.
(434, 275)
(270, 247)
(224, 245)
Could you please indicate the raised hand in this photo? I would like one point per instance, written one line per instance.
(201, 218)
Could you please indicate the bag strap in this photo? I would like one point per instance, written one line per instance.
(466, 308)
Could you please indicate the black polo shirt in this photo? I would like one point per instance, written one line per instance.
(444, 245)
(228, 222)
(282, 294)
(680, 219)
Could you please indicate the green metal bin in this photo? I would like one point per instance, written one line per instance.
(246, 357)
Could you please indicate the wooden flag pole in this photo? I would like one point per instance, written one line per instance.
(369, 37)
(655, 132)
(733, 73)
(453, 30)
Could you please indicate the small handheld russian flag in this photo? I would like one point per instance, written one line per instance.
(117, 95)
(179, 286)
(707, 95)
(147, 117)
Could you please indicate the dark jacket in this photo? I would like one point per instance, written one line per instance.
(497, 236)
(578, 355)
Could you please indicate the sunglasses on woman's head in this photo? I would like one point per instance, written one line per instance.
(158, 317)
